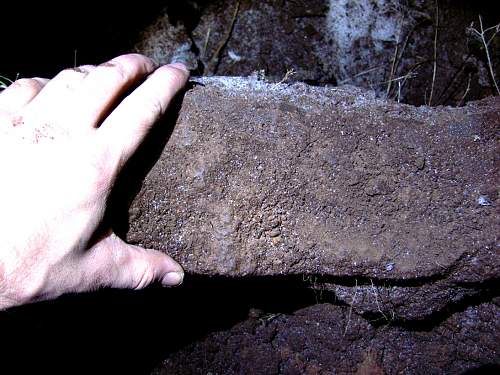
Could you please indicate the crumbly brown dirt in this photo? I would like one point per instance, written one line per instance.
(387, 212)
(327, 339)
(267, 179)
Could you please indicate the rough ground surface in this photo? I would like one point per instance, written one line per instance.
(384, 45)
(267, 179)
(387, 211)
(327, 339)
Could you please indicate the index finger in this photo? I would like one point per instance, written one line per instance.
(127, 126)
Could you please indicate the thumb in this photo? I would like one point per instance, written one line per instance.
(114, 263)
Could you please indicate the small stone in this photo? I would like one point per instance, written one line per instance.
(389, 266)
(275, 232)
(483, 200)
(420, 163)
(255, 313)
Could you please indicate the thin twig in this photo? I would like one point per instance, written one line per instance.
(5, 82)
(411, 73)
(452, 80)
(375, 293)
(289, 73)
(435, 53)
(215, 60)
(350, 309)
(360, 74)
(393, 65)
(402, 80)
(400, 58)
(466, 91)
(497, 27)
(407, 39)
(406, 76)
(486, 48)
(206, 43)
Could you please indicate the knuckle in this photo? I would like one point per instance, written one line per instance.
(155, 106)
(145, 278)
(30, 85)
(175, 76)
(143, 270)
(140, 273)
(138, 60)
(69, 72)
(115, 72)
(137, 56)
(148, 108)
(120, 71)
(124, 68)
(85, 69)
(70, 75)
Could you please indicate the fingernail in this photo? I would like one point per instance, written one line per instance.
(173, 279)
(180, 66)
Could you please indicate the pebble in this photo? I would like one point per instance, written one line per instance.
(483, 200)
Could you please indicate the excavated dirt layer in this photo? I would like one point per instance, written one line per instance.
(327, 339)
(388, 210)
(269, 179)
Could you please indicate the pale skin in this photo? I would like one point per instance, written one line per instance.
(63, 142)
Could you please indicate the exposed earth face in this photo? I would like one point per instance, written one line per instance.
(387, 211)
(326, 339)
(324, 227)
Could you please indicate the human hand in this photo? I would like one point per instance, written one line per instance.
(62, 144)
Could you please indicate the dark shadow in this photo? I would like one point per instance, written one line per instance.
(486, 292)
(127, 332)
(492, 369)
(131, 332)
(40, 38)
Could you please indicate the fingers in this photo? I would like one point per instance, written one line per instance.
(20, 93)
(114, 263)
(126, 127)
(104, 85)
(55, 104)
(59, 87)
(83, 95)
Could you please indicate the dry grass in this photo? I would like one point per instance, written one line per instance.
(316, 288)
(462, 101)
(213, 64)
(436, 27)
(351, 306)
(289, 74)
(375, 294)
(5, 82)
(485, 40)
